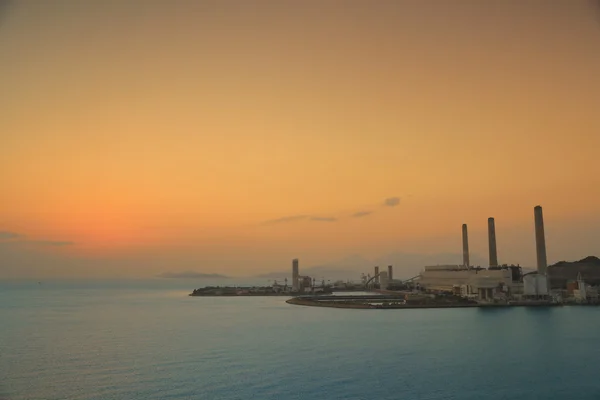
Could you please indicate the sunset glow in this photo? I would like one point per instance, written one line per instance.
(233, 136)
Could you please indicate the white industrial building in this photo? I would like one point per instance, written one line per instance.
(496, 282)
(482, 284)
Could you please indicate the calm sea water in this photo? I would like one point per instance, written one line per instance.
(149, 340)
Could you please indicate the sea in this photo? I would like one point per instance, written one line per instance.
(147, 339)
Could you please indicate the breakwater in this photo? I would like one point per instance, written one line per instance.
(397, 303)
(362, 303)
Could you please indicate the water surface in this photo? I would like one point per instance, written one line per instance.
(149, 340)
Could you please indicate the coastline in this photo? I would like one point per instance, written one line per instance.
(311, 302)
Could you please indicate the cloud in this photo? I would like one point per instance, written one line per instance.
(191, 275)
(391, 201)
(5, 235)
(5, 5)
(294, 218)
(14, 238)
(290, 218)
(323, 219)
(49, 242)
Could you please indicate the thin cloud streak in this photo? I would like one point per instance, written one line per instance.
(49, 242)
(5, 5)
(323, 219)
(388, 202)
(391, 201)
(14, 238)
(291, 218)
(5, 235)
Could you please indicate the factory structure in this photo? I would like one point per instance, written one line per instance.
(304, 284)
(496, 282)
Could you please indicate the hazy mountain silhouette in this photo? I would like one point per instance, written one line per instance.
(406, 265)
(191, 275)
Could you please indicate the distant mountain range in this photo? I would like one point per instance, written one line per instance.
(191, 275)
(406, 265)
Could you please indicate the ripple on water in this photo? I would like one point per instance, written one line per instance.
(142, 344)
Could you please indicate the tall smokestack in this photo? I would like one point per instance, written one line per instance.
(492, 242)
(465, 238)
(540, 240)
(390, 272)
(376, 275)
(295, 275)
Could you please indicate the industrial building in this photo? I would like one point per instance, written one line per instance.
(495, 285)
(301, 283)
(497, 281)
(381, 279)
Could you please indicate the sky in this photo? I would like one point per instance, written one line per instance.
(142, 137)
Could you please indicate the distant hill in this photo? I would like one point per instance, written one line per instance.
(191, 275)
(564, 271)
(318, 272)
(406, 265)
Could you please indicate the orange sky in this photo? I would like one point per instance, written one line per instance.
(169, 132)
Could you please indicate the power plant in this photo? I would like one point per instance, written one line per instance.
(440, 286)
(497, 281)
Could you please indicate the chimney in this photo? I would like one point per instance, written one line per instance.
(295, 275)
(492, 242)
(465, 243)
(390, 272)
(540, 241)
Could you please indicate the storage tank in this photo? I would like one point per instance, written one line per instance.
(529, 285)
(542, 285)
(383, 280)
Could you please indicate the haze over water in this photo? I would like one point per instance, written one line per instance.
(149, 340)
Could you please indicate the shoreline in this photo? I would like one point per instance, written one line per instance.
(309, 302)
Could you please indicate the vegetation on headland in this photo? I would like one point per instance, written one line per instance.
(564, 271)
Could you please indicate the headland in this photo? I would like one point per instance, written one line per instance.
(447, 286)
(233, 291)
